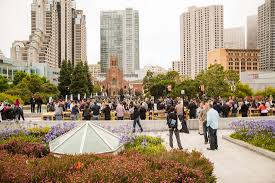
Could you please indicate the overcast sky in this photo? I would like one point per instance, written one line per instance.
(159, 24)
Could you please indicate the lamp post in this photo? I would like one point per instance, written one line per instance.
(182, 94)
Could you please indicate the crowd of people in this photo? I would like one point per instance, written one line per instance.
(177, 112)
(11, 111)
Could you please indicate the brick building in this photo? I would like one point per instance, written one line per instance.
(239, 60)
(114, 83)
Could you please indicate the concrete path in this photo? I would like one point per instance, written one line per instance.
(232, 163)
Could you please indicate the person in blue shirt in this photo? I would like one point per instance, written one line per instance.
(212, 125)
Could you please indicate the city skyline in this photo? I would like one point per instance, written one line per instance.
(159, 32)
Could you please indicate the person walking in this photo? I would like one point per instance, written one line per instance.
(137, 119)
(20, 113)
(172, 122)
(212, 125)
(39, 103)
(32, 102)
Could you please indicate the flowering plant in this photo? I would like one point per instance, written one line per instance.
(260, 132)
(58, 130)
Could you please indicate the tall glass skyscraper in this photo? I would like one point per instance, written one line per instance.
(119, 34)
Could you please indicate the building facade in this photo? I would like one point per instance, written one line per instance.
(201, 30)
(251, 32)
(54, 35)
(9, 67)
(114, 84)
(95, 71)
(234, 38)
(119, 37)
(80, 40)
(266, 35)
(258, 80)
(239, 60)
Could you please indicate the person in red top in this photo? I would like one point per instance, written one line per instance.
(16, 103)
(263, 109)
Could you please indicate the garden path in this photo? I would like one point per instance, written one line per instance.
(232, 162)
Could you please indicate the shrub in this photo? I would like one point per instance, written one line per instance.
(30, 149)
(135, 167)
(146, 145)
(39, 131)
(130, 166)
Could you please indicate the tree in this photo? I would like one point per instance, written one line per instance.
(4, 85)
(243, 90)
(65, 78)
(34, 85)
(88, 75)
(214, 81)
(267, 92)
(19, 76)
(79, 81)
(191, 88)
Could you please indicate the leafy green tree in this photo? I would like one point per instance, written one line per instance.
(65, 78)
(79, 81)
(267, 92)
(191, 88)
(214, 81)
(243, 90)
(18, 77)
(34, 85)
(4, 85)
(88, 80)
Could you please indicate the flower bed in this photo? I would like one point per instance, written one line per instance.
(258, 133)
(24, 158)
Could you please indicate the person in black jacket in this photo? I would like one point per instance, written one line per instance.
(96, 111)
(172, 122)
(192, 110)
(32, 102)
(107, 112)
(142, 112)
(87, 112)
(39, 103)
(244, 109)
(137, 119)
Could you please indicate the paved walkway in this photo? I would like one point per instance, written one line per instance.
(232, 163)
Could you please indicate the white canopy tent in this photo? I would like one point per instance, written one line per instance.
(85, 139)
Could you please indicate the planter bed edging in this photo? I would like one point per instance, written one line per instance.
(258, 150)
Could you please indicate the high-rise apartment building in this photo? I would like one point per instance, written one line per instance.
(119, 33)
(251, 32)
(234, 38)
(80, 46)
(58, 32)
(266, 35)
(201, 30)
(66, 30)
